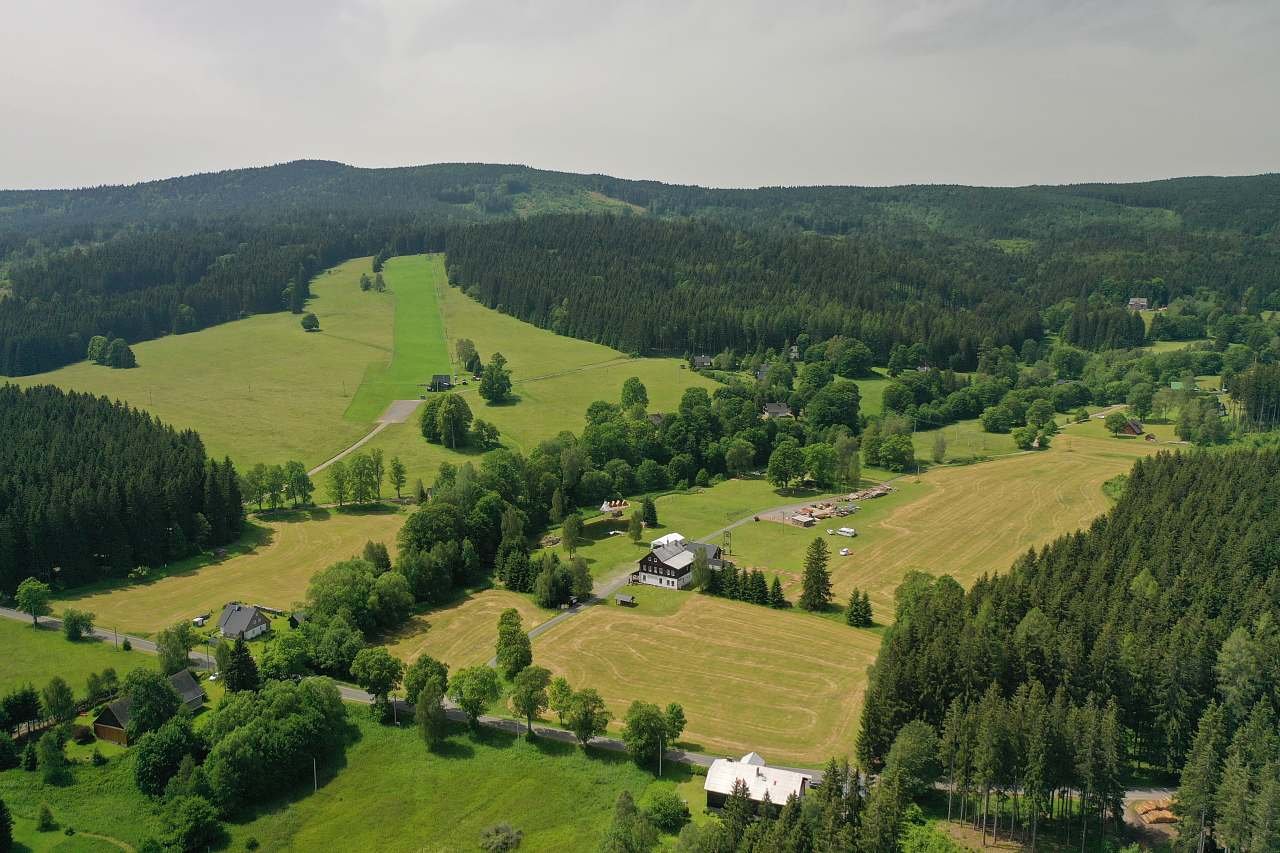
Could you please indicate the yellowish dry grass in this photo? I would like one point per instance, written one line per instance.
(749, 678)
(274, 573)
(462, 634)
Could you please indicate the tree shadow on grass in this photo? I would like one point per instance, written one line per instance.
(255, 536)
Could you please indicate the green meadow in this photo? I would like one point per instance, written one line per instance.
(34, 655)
(419, 342)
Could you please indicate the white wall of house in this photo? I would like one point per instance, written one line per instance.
(659, 580)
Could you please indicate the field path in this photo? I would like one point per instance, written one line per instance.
(352, 449)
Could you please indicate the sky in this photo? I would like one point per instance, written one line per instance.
(718, 93)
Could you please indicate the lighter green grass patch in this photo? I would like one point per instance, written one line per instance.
(34, 655)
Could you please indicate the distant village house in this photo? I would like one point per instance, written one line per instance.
(440, 382)
(776, 410)
(242, 620)
(702, 362)
(112, 724)
(1138, 303)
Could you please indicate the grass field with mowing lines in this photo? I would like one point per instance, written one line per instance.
(462, 634)
(259, 389)
(411, 800)
(419, 344)
(34, 655)
(747, 676)
(274, 573)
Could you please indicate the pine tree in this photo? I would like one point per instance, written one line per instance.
(815, 590)
(853, 613)
(868, 619)
(776, 598)
(1194, 803)
(759, 588)
(242, 671)
(1233, 804)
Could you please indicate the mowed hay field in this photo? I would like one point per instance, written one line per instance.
(274, 573)
(34, 655)
(259, 389)
(462, 634)
(749, 678)
(970, 520)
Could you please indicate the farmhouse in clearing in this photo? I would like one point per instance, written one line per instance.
(759, 778)
(701, 362)
(670, 562)
(113, 723)
(1132, 427)
(440, 382)
(1139, 303)
(241, 620)
(776, 410)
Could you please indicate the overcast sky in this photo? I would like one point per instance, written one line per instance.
(723, 93)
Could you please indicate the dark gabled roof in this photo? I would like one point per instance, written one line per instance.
(239, 618)
(115, 715)
(441, 377)
(702, 361)
(777, 409)
(187, 688)
(656, 418)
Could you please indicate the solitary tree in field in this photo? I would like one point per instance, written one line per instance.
(815, 590)
(397, 475)
(513, 652)
(635, 527)
(650, 512)
(33, 597)
(529, 693)
(76, 623)
(939, 452)
(1115, 422)
(454, 420)
(559, 694)
(634, 393)
(310, 322)
(495, 382)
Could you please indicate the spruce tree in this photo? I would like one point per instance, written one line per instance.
(815, 590)
(853, 613)
(242, 671)
(1233, 805)
(776, 598)
(6, 827)
(1194, 803)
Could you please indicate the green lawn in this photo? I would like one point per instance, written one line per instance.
(419, 342)
(695, 513)
(394, 795)
(259, 389)
(102, 801)
(871, 392)
(34, 655)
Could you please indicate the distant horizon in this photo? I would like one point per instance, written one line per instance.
(871, 93)
(914, 183)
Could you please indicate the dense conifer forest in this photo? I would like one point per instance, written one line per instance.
(1166, 609)
(136, 262)
(91, 489)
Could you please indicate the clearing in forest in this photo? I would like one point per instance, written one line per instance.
(259, 389)
(285, 551)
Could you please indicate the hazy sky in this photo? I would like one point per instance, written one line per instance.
(718, 93)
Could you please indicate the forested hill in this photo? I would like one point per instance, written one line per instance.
(645, 285)
(136, 262)
(1164, 617)
(1248, 206)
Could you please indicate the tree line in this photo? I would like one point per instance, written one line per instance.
(1159, 617)
(92, 489)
